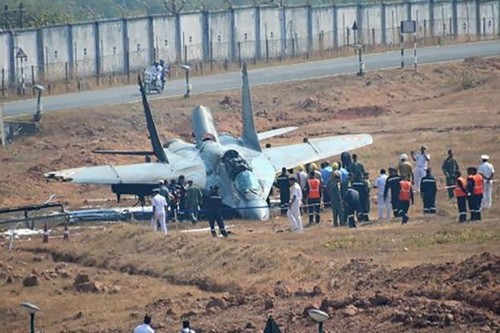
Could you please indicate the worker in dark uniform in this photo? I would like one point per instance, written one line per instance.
(313, 192)
(428, 190)
(450, 167)
(461, 195)
(366, 180)
(356, 169)
(334, 187)
(283, 186)
(474, 189)
(392, 185)
(214, 211)
(345, 159)
(351, 205)
(405, 198)
(180, 189)
(360, 186)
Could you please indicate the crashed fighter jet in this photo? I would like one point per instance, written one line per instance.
(239, 166)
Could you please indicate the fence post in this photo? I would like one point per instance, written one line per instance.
(2, 133)
(267, 49)
(3, 82)
(257, 33)
(239, 54)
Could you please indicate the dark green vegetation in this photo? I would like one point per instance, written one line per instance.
(35, 13)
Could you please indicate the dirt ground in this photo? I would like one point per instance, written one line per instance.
(430, 275)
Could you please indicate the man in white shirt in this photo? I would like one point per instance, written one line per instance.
(382, 205)
(144, 327)
(422, 163)
(302, 178)
(486, 170)
(160, 205)
(293, 212)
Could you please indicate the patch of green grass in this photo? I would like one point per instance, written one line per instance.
(415, 240)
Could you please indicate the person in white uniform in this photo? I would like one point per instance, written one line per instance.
(422, 163)
(486, 170)
(383, 206)
(160, 207)
(145, 326)
(293, 212)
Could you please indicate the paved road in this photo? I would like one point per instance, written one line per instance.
(229, 81)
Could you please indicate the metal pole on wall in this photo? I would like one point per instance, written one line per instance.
(415, 60)
(2, 133)
(402, 51)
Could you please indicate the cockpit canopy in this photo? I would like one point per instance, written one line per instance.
(234, 163)
(240, 172)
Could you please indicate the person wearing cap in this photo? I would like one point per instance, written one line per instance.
(293, 212)
(421, 164)
(391, 190)
(193, 201)
(282, 184)
(317, 173)
(214, 211)
(487, 171)
(160, 207)
(405, 168)
(450, 167)
(313, 193)
(475, 190)
(461, 195)
(302, 178)
(384, 206)
(186, 327)
(145, 326)
(428, 191)
(335, 193)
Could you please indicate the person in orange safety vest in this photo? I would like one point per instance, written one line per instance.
(460, 193)
(313, 191)
(405, 196)
(475, 189)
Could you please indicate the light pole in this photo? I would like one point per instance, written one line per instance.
(32, 309)
(358, 46)
(320, 317)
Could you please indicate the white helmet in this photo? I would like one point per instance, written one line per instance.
(403, 157)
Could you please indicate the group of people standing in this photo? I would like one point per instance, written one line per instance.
(178, 198)
(345, 187)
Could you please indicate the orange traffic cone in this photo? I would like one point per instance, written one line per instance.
(45, 234)
(66, 231)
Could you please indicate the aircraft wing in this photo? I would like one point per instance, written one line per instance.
(275, 132)
(142, 173)
(314, 150)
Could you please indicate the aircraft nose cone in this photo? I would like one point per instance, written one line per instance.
(255, 210)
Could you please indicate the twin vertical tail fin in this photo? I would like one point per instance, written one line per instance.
(249, 134)
(150, 122)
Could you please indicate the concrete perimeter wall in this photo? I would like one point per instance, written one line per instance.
(262, 32)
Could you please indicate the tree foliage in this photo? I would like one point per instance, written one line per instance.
(36, 13)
